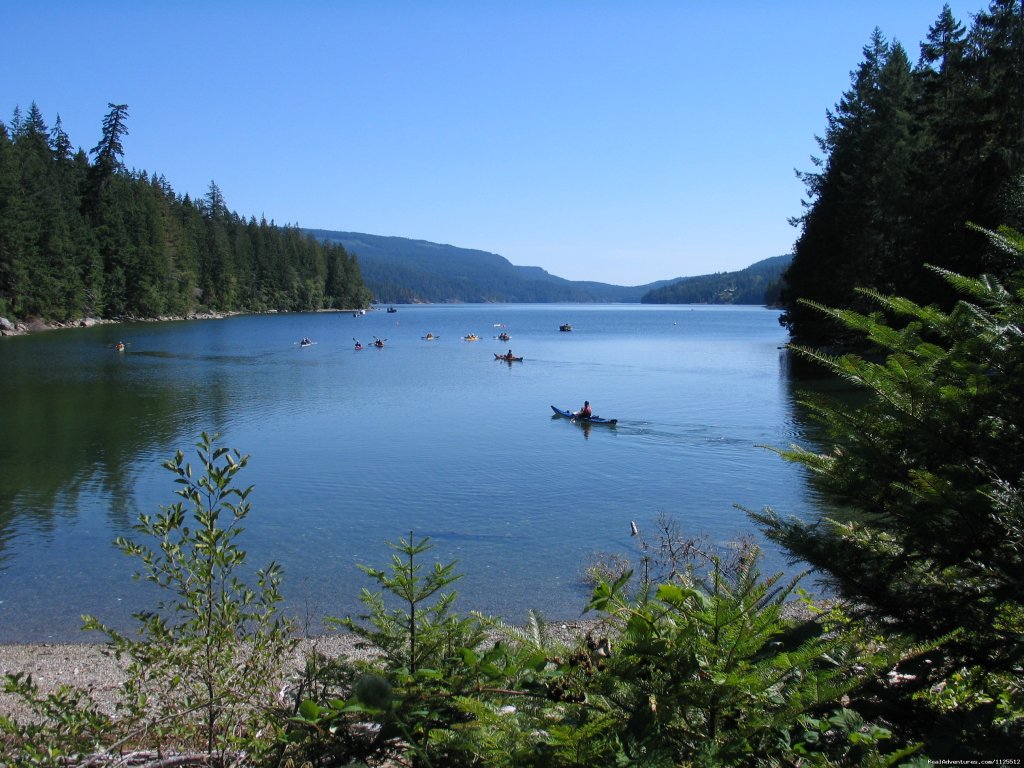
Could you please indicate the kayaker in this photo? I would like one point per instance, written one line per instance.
(509, 355)
(584, 412)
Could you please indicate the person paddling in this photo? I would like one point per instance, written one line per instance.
(584, 412)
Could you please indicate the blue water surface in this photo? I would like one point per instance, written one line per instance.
(350, 449)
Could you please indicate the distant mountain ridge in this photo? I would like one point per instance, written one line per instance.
(399, 270)
(760, 283)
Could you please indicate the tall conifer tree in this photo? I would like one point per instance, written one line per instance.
(908, 159)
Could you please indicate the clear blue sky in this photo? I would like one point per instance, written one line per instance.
(624, 142)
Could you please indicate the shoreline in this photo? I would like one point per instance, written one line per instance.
(91, 666)
(26, 327)
(35, 325)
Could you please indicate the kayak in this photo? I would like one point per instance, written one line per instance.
(507, 359)
(591, 420)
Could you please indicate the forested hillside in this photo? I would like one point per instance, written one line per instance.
(910, 155)
(81, 235)
(757, 284)
(400, 270)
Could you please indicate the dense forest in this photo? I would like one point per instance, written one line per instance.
(83, 236)
(759, 283)
(910, 156)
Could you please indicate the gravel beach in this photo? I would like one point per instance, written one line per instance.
(91, 667)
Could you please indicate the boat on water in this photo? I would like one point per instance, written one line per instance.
(119, 346)
(306, 342)
(504, 336)
(471, 337)
(378, 343)
(431, 337)
(508, 358)
(391, 310)
(565, 327)
(587, 420)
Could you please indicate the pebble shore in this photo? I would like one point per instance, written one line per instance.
(91, 667)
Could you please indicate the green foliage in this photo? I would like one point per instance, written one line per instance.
(694, 670)
(708, 671)
(410, 688)
(422, 641)
(530, 704)
(422, 631)
(110, 151)
(909, 154)
(64, 725)
(930, 470)
(97, 239)
(203, 668)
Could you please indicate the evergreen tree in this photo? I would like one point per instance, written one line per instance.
(907, 158)
(109, 153)
(853, 228)
(10, 263)
(79, 238)
(929, 470)
(60, 142)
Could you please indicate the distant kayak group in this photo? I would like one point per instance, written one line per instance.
(377, 342)
(584, 415)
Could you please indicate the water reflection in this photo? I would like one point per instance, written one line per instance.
(807, 380)
(82, 434)
(81, 422)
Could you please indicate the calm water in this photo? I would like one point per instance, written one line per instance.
(350, 449)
